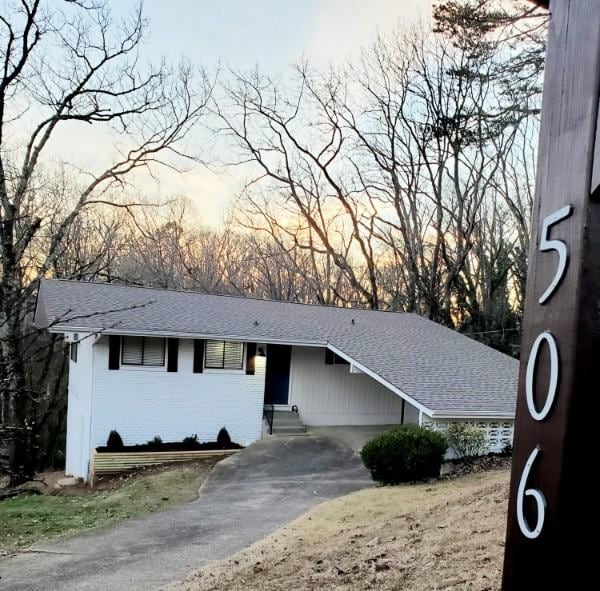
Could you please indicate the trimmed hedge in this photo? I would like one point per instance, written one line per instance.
(405, 454)
(223, 439)
(114, 441)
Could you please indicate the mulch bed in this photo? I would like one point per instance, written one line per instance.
(462, 467)
(171, 446)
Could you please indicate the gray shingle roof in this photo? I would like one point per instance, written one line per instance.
(445, 372)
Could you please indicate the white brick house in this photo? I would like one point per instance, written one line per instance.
(149, 362)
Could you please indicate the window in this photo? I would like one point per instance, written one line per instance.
(74, 346)
(224, 355)
(143, 351)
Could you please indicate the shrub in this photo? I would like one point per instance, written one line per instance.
(156, 440)
(114, 441)
(223, 439)
(404, 454)
(191, 440)
(466, 440)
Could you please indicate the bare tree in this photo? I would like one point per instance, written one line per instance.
(59, 67)
(300, 151)
(401, 170)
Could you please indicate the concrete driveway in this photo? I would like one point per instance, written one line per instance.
(246, 496)
(354, 436)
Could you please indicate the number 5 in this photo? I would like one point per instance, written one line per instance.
(558, 245)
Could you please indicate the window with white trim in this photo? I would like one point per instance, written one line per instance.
(224, 355)
(148, 351)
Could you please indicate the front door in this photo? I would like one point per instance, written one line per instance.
(277, 379)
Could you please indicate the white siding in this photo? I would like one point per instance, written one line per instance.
(331, 395)
(79, 408)
(142, 402)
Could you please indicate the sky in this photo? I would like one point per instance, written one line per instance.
(273, 33)
(243, 34)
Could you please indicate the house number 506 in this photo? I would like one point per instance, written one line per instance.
(546, 337)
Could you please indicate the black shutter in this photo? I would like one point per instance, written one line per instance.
(114, 351)
(329, 357)
(198, 355)
(172, 354)
(250, 358)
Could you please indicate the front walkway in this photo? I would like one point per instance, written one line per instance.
(353, 436)
(247, 496)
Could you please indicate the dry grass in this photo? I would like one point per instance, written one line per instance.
(25, 520)
(444, 535)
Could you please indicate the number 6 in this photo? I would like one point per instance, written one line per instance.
(539, 497)
(558, 245)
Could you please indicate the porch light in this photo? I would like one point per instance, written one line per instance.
(261, 352)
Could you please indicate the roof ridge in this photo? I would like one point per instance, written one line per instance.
(223, 295)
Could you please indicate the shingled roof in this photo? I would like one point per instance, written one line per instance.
(444, 373)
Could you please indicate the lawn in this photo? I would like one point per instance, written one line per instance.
(28, 519)
(447, 535)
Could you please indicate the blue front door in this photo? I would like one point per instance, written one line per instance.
(277, 379)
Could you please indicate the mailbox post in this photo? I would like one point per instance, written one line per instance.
(553, 497)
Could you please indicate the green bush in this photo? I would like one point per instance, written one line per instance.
(223, 439)
(468, 441)
(405, 454)
(114, 441)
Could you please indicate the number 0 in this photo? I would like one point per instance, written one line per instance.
(540, 415)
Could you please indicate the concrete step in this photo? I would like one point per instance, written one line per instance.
(287, 417)
(289, 430)
(287, 423)
(280, 427)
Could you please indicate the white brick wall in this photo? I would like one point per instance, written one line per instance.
(331, 395)
(142, 402)
(79, 408)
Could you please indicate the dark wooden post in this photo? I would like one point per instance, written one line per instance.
(553, 501)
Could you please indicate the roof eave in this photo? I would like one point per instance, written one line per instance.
(475, 414)
(62, 328)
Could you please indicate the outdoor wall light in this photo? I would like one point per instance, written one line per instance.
(261, 352)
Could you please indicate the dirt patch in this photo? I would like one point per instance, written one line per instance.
(445, 535)
(459, 468)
